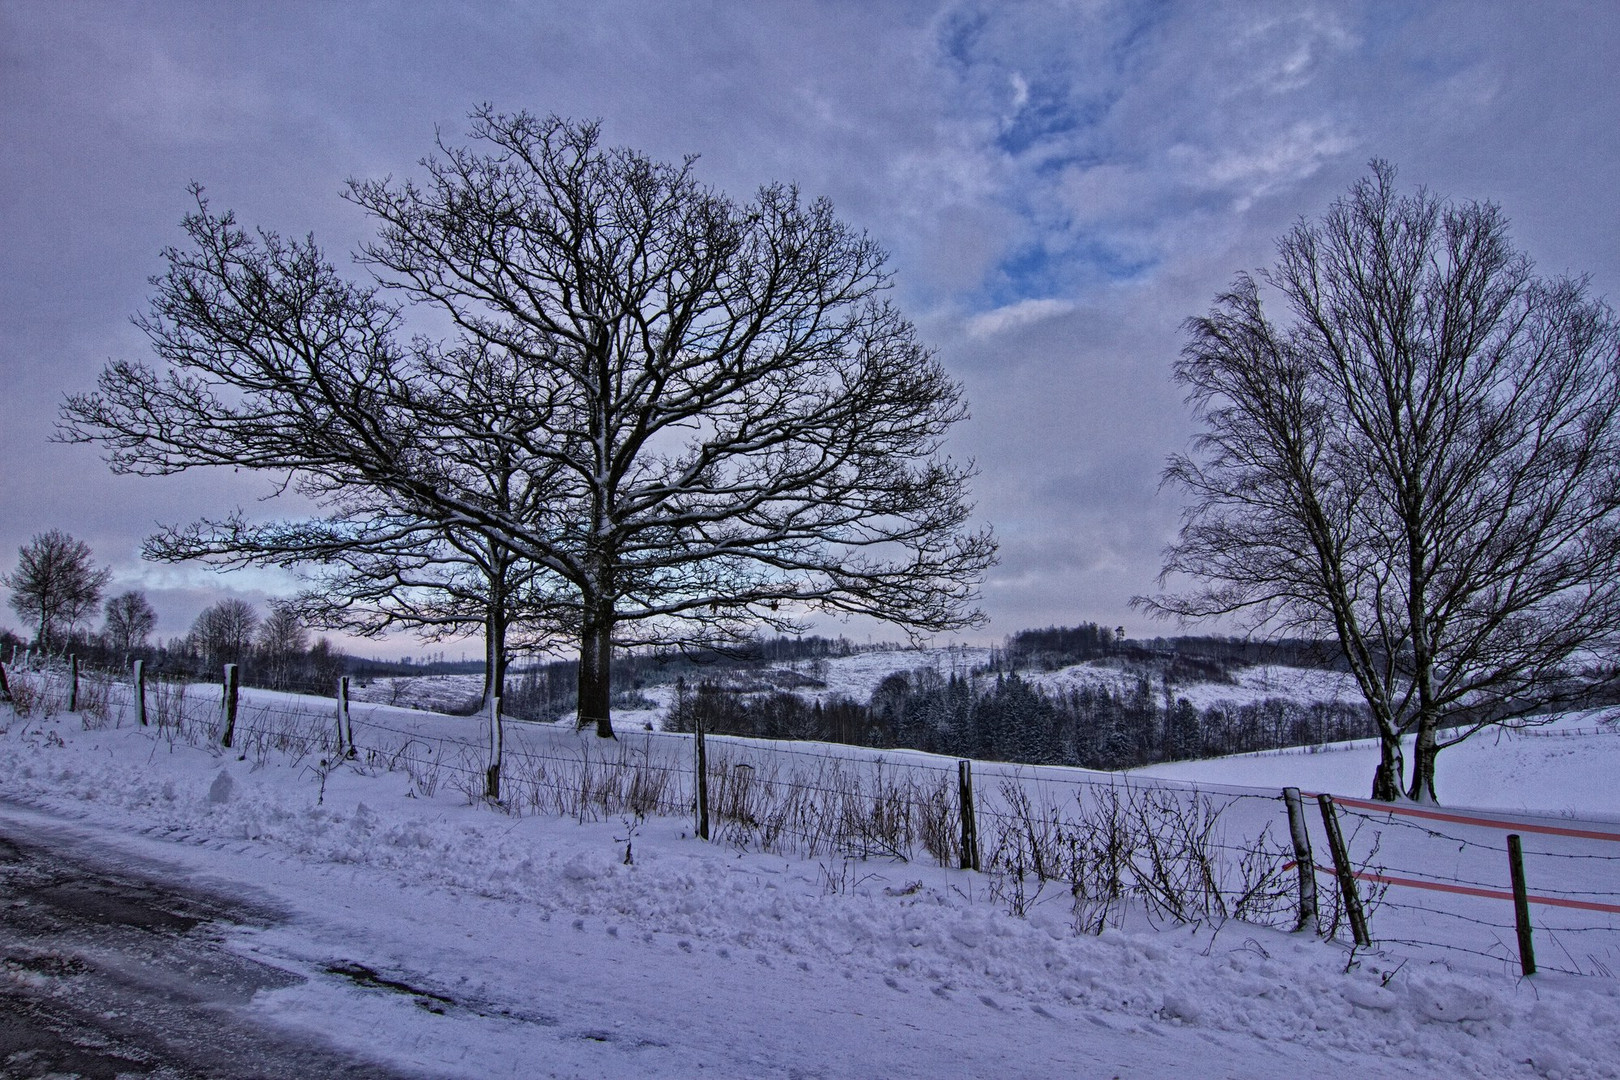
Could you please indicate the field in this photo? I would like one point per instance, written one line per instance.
(573, 937)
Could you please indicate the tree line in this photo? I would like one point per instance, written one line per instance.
(58, 589)
(1007, 717)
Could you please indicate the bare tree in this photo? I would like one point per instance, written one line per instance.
(281, 642)
(55, 586)
(743, 429)
(223, 633)
(713, 418)
(130, 621)
(1423, 465)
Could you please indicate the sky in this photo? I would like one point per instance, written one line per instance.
(1059, 185)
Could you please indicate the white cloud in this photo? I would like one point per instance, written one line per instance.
(1015, 316)
(1020, 87)
(1272, 161)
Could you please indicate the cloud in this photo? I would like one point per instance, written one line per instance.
(1271, 162)
(1014, 316)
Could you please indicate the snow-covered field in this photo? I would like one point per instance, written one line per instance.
(857, 675)
(436, 693)
(616, 948)
(1570, 768)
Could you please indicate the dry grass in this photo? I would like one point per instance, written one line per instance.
(1160, 847)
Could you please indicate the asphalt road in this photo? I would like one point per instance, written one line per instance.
(109, 970)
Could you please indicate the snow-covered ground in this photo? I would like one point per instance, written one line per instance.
(437, 693)
(1569, 767)
(616, 948)
(857, 675)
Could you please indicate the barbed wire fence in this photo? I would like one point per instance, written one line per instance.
(1426, 882)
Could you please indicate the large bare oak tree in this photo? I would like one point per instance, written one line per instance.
(1422, 464)
(712, 417)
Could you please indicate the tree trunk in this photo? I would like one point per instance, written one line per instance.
(1423, 757)
(1391, 769)
(595, 667)
(496, 622)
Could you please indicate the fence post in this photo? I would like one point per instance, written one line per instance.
(140, 692)
(1347, 874)
(5, 687)
(1521, 905)
(492, 775)
(970, 825)
(700, 755)
(345, 727)
(1304, 861)
(230, 705)
(73, 682)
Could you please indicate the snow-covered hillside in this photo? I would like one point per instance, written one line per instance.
(569, 947)
(857, 675)
(435, 693)
(1258, 683)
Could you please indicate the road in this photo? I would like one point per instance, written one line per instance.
(108, 970)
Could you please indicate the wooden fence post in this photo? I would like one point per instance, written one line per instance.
(1521, 905)
(492, 775)
(73, 682)
(230, 705)
(345, 726)
(1347, 873)
(700, 761)
(970, 825)
(140, 692)
(5, 687)
(1304, 861)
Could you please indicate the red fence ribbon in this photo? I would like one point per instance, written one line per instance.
(1464, 819)
(1468, 890)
